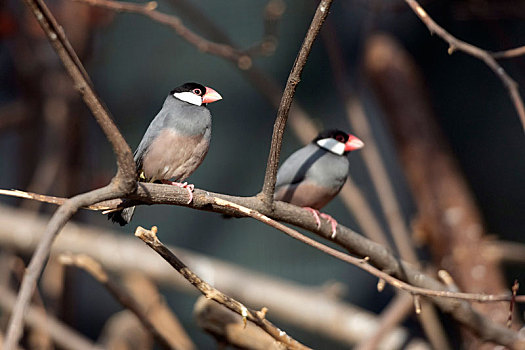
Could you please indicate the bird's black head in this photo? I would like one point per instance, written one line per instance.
(194, 88)
(337, 141)
(335, 134)
(195, 94)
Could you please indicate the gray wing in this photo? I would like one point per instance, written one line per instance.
(154, 129)
(297, 167)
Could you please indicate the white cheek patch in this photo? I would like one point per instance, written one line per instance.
(189, 97)
(332, 145)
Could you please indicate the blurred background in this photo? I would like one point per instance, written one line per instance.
(49, 143)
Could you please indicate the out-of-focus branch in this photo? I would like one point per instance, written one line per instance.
(123, 331)
(511, 53)
(396, 311)
(303, 306)
(91, 266)
(506, 252)
(123, 183)
(487, 57)
(242, 58)
(257, 317)
(446, 210)
(158, 311)
(62, 335)
(286, 101)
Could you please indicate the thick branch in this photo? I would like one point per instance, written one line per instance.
(251, 206)
(286, 100)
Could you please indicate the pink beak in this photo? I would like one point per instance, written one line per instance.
(353, 143)
(211, 96)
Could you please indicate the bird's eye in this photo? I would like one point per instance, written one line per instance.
(197, 91)
(340, 138)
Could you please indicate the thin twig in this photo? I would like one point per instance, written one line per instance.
(242, 58)
(485, 56)
(122, 184)
(286, 101)
(150, 238)
(511, 53)
(91, 266)
(363, 263)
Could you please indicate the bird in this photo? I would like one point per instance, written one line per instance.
(313, 175)
(175, 143)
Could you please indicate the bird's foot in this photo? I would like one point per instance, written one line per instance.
(315, 213)
(189, 187)
(332, 222)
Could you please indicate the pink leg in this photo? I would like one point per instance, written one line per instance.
(315, 213)
(332, 222)
(189, 187)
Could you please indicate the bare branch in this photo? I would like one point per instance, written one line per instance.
(150, 238)
(241, 58)
(219, 203)
(288, 301)
(63, 336)
(511, 53)
(91, 266)
(123, 183)
(286, 101)
(485, 56)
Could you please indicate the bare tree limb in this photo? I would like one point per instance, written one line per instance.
(123, 183)
(91, 266)
(487, 57)
(243, 206)
(396, 311)
(258, 317)
(286, 101)
(306, 307)
(511, 53)
(63, 336)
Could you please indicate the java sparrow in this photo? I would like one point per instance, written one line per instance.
(175, 142)
(313, 175)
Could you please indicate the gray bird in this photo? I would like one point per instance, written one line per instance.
(175, 142)
(313, 175)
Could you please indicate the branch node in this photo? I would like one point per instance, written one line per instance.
(381, 285)
(148, 236)
(262, 313)
(150, 6)
(417, 304)
(244, 62)
(244, 314)
(365, 260)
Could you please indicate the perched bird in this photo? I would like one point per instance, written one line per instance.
(313, 175)
(175, 142)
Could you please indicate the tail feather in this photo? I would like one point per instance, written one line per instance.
(122, 217)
